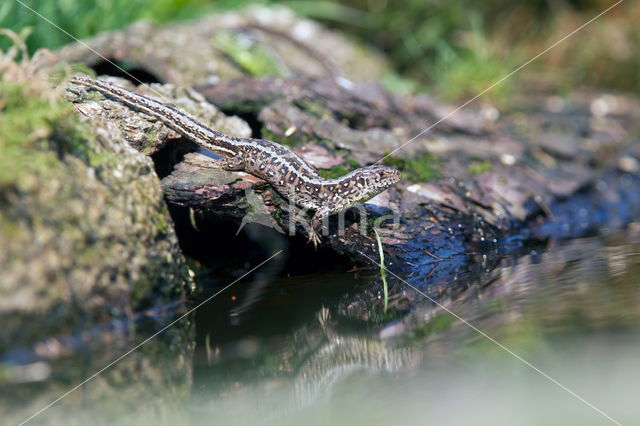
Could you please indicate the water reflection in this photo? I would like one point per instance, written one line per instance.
(318, 349)
(572, 310)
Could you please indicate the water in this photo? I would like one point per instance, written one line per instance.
(558, 344)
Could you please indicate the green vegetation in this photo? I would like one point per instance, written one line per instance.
(468, 72)
(334, 172)
(421, 168)
(458, 49)
(525, 336)
(452, 49)
(83, 19)
(379, 316)
(477, 167)
(339, 170)
(383, 272)
(29, 123)
(281, 137)
(440, 323)
(250, 56)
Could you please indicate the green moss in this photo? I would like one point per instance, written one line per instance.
(378, 315)
(62, 71)
(499, 304)
(396, 83)
(439, 324)
(334, 172)
(478, 167)
(250, 56)
(279, 137)
(523, 336)
(422, 168)
(315, 108)
(277, 215)
(35, 132)
(339, 170)
(160, 221)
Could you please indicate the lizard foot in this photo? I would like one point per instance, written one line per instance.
(314, 238)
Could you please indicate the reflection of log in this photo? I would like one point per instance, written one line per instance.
(338, 356)
(301, 368)
(295, 370)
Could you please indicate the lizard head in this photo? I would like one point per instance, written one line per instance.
(369, 181)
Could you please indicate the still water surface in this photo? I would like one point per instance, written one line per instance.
(571, 310)
(292, 350)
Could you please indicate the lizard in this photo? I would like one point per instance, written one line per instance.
(290, 175)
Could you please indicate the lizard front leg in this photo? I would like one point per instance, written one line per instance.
(316, 225)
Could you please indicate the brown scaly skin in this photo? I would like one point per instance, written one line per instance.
(287, 172)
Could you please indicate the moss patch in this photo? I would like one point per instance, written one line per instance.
(339, 170)
(422, 168)
(439, 324)
(279, 137)
(85, 233)
(334, 172)
(35, 133)
(250, 56)
(479, 167)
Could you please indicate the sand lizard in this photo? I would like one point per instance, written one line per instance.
(287, 172)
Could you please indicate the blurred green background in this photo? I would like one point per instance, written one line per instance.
(452, 49)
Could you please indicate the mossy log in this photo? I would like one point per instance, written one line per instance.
(88, 253)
